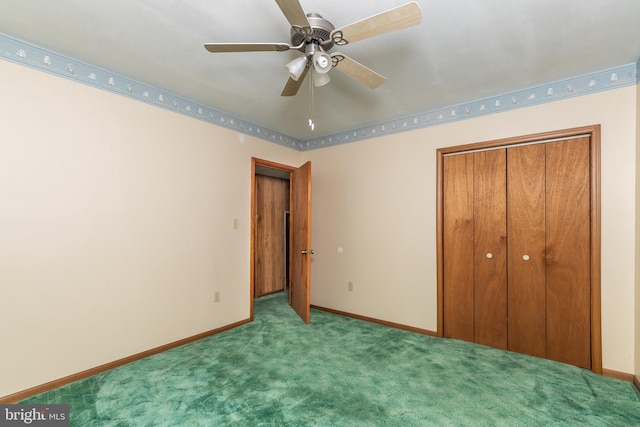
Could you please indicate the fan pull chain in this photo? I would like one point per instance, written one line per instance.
(311, 84)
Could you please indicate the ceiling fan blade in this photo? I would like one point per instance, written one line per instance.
(356, 70)
(246, 47)
(294, 13)
(385, 22)
(292, 86)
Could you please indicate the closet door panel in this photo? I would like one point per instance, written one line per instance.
(490, 232)
(458, 246)
(568, 252)
(526, 246)
(272, 200)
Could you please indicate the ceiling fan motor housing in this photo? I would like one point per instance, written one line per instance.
(320, 33)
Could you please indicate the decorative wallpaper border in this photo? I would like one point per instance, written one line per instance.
(32, 56)
(24, 53)
(613, 78)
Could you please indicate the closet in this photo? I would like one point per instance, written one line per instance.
(516, 247)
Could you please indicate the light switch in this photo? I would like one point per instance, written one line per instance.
(235, 223)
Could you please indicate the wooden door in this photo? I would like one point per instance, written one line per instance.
(490, 253)
(526, 243)
(475, 301)
(457, 248)
(546, 194)
(272, 201)
(299, 291)
(568, 271)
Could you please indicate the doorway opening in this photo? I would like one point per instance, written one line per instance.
(271, 232)
(269, 228)
(280, 233)
(298, 280)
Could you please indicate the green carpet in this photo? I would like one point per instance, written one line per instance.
(337, 371)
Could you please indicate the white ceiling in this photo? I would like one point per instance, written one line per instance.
(464, 50)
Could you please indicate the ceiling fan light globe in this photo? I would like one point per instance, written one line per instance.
(320, 79)
(296, 67)
(322, 62)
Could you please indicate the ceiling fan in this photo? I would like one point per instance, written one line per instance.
(315, 37)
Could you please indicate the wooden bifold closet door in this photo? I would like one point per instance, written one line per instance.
(516, 245)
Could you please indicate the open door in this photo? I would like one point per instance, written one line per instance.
(299, 295)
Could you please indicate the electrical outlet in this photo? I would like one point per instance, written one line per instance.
(350, 286)
(216, 296)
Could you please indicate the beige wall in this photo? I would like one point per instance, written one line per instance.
(115, 226)
(637, 296)
(116, 222)
(376, 200)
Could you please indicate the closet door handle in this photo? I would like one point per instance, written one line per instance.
(489, 255)
(525, 257)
